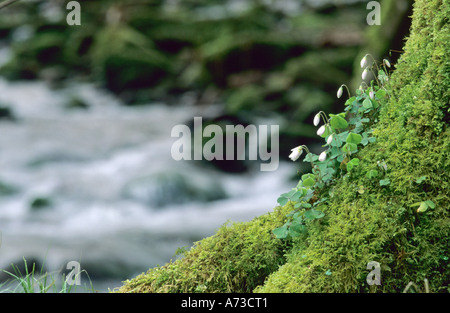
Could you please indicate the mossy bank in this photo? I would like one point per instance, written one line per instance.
(364, 221)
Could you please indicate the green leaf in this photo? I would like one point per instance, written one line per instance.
(335, 152)
(430, 204)
(296, 230)
(350, 100)
(298, 216)
(372, 174)
(306, 176)
(362, 109)
(297, 195)
(352, 163)
(385, 182)
(302, 190)
(310, 157)
(338, 122)
(374, 103)
(314, 214)
(367, 104)
(420, 179)
(342, 136)
(328, 131)
(281, 232)
(290, 193)
(309, 182)
(380, 94)
(353, 138)
(366, 139)
(327, 173)
(282, 201)
(423, 207)
(349, 148)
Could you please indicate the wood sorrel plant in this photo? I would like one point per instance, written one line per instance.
(344, 134)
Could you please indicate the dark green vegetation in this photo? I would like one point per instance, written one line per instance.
(365, 220)
(255, 61)
(343, 141)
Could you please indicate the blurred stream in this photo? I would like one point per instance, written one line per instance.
(98, 185)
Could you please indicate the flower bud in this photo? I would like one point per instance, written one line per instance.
(330, 139)
(321, 130)
(316, 119)
(323, 156)
(339, 92)
(364, 61)
(296, 153)
(371, 94)
(364, 73)
(387, 63)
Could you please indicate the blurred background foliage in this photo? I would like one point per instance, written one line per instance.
(282, 60)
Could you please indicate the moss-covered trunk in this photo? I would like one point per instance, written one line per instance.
(376, 223)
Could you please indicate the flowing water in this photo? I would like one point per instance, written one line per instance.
(98, 185)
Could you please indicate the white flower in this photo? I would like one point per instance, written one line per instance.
(296, 153)
(330, 139)
(323, 156)
(321, 130)
(371, 94)
(364, 61)
(364, 73)
(387, 63)
(316, 119)
(339, 92)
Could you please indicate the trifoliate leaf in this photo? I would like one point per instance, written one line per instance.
(367, 104)
(314, 214)
(372, 174)
(296, 230)
(281, 232)
(353, 138)
(338, 122)
(349, 148)
(352, 163)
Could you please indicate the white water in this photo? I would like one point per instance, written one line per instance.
(96, 167)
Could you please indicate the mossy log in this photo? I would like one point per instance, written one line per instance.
(379, 224)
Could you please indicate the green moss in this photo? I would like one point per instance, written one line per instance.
(364, 221)
(236, 259)
(381, 224)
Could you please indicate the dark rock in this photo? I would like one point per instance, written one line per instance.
(40, 203)
(169, 188)
(6, 114)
